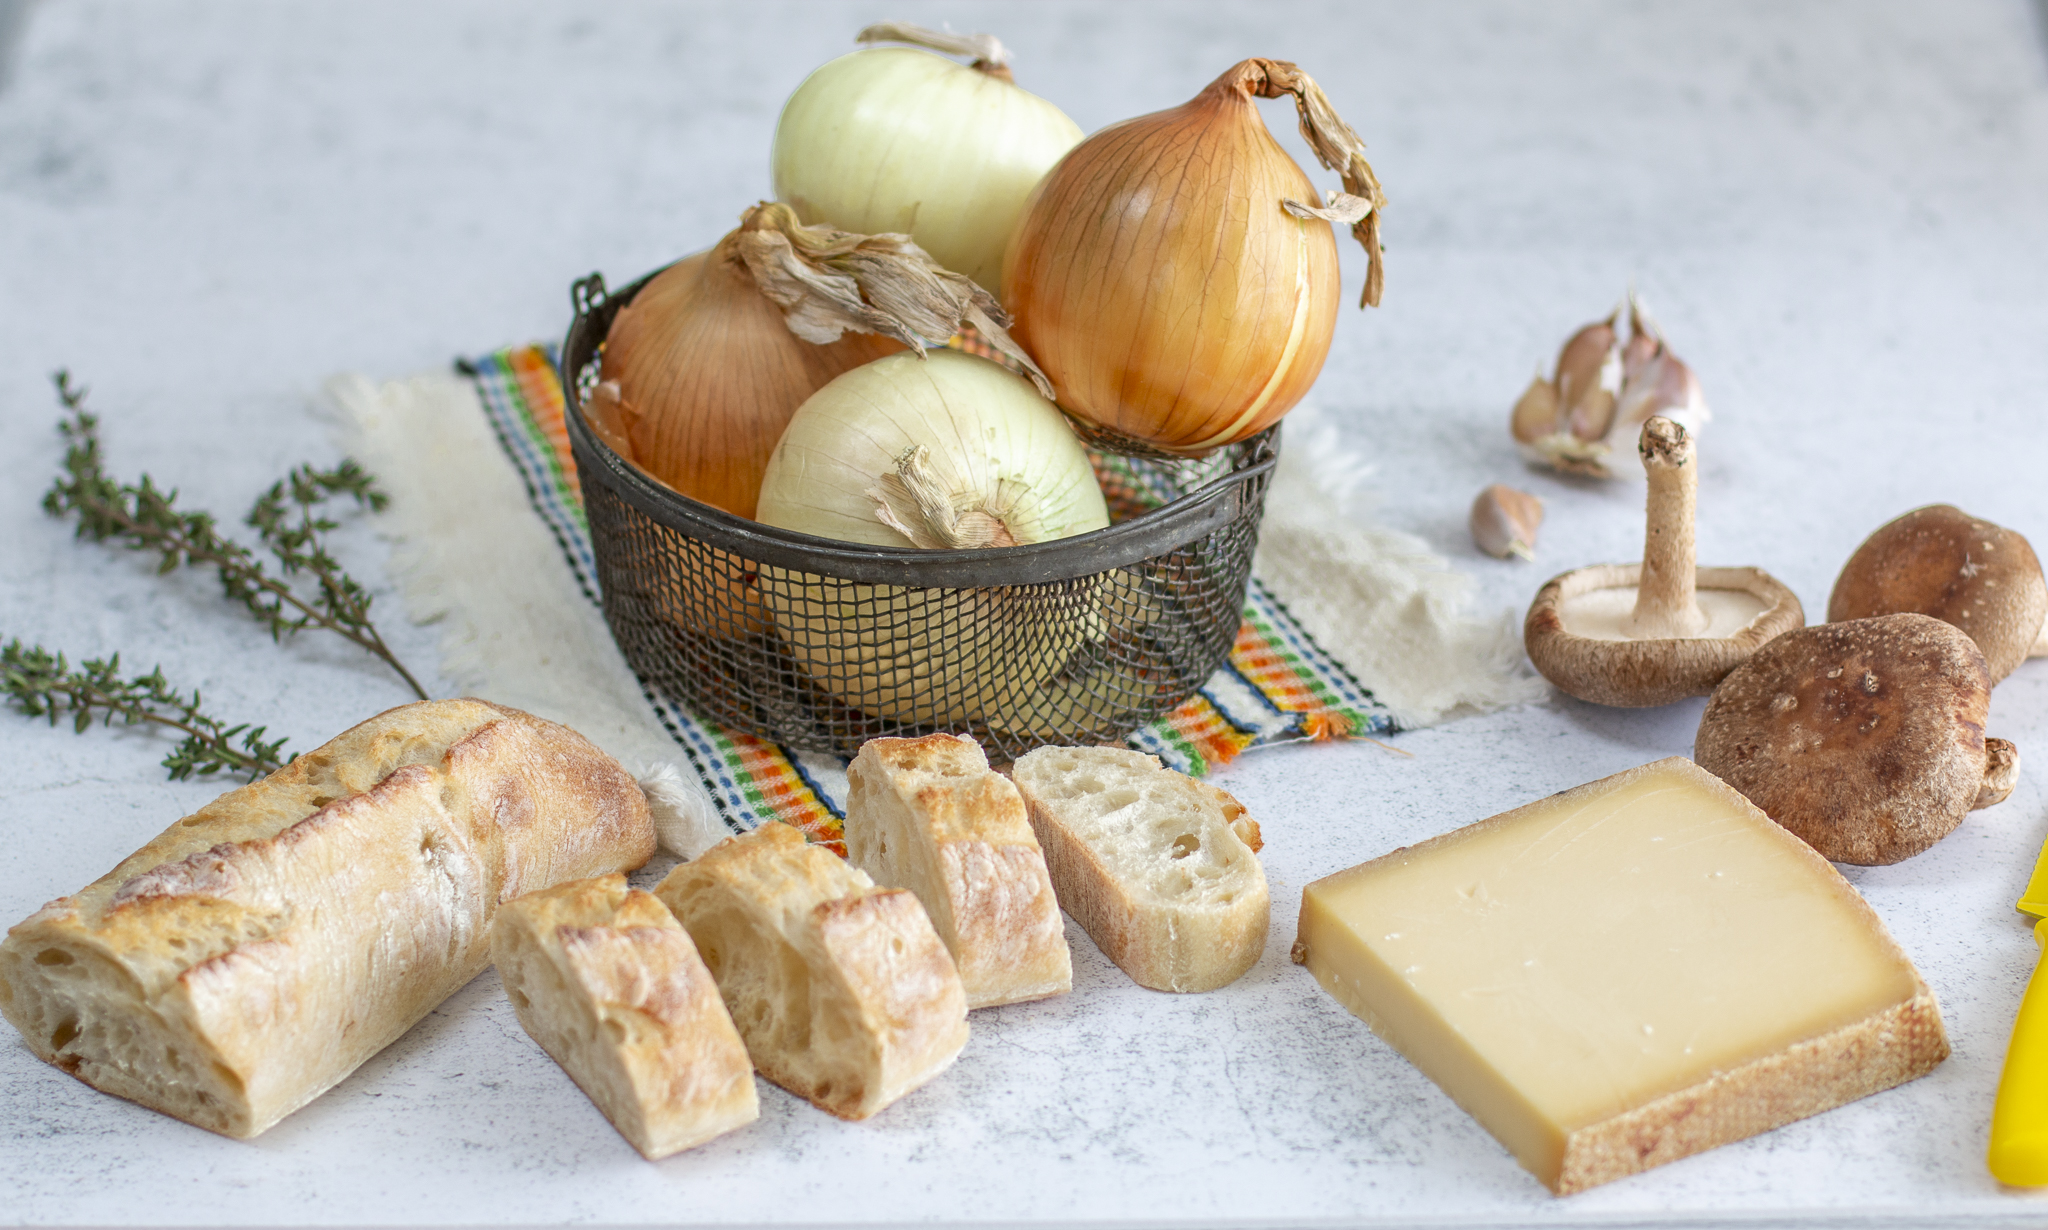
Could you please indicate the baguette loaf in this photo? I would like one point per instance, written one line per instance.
(1158, 868)
(929, 815)
(842, 991)
(609, 984)
(256, 952)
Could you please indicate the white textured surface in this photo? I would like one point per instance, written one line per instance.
(1840, 213)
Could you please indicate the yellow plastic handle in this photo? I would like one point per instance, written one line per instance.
(2019, 1119)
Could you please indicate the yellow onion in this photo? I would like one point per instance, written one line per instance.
(901, 140)
(1173, 275)
(708, 375)
(703, 369)
(705, 590)
(954, 452)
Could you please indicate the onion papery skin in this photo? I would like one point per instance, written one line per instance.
(940, 657)
(709, 375)
(894, 139)
(1162, 287)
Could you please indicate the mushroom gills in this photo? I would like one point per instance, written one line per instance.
(1609, 614)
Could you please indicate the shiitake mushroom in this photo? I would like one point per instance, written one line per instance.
(1864, 738)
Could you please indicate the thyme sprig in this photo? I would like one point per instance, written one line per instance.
(42, 684)
(288, 518)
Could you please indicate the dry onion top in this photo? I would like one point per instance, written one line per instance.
(1337, 146)
(703, 369)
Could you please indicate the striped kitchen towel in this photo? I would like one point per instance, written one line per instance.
(1278, 685)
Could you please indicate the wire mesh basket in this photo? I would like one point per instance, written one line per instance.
(822, 645)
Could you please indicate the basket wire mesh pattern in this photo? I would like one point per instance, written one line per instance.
(821, 645)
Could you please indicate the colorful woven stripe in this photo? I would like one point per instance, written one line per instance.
(1278, 685)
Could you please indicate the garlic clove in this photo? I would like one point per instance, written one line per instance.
(1655, 382)
(1535, 414)
(1635, 356)
(1589, 377)
(1645, 340)
(1591, 417)
(1667, 387)
(1504, 522)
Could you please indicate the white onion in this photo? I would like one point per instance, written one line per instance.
(894, 139)
(997, 465)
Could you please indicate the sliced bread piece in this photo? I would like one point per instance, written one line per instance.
(929, 815)
(609, 984)
(843, 992)
(1157, 867)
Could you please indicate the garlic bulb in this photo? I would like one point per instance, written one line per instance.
(1603, 392)
(1174, 275)
(893, 139)
(953, 452)
(703, 369)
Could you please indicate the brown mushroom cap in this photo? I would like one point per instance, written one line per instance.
(1865, 738)
(1636, 674)
(1943, 562)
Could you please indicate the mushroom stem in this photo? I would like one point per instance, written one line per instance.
(1665, 602)
(2001, 773)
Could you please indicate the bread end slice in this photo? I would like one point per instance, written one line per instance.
(1158, 868)
(929, 815)
(609, 984)
(843, 992)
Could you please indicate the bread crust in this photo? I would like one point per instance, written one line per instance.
(610, 986)
(1169, 886)
(929, 815)
(256, 952)
(844, 994)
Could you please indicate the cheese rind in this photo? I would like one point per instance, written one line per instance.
(1624, 974)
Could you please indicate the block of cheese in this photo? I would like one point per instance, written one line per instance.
(1624, 974)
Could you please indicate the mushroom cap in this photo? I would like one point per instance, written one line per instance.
(1657, 671)
(1941, 561)
(1865, 739)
